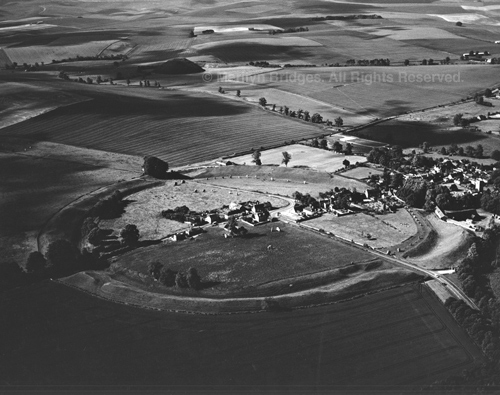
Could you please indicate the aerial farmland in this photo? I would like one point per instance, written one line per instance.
(291, 196)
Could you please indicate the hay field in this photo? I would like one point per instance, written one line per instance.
(285, 180)
(387, 230)
(181, 128)
(145, 207)
(302, 155)
(400, 337)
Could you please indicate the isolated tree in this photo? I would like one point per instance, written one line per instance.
(424, 62)
(154, 268)
(286, 110)
(167, 277)
(307, 117)
(346, 163)
(348, 149)
(397, 180)
(129, 235)
(315, 143)
(286, 158)
(316, 118)
(154, 167)
(323, 144)
(62, 255)
(337, 146)
(263, 101)
(469, 151)
(36, 263)
(407, 62)
(425, 146)
(488, 92)
(339, 122)
(495, 155)
(256, 157)
(180, 280)
(457, 119)
(459, 23)
(193, 279)
(238, 93)
(99, 79)
(443, 151)
(461, 151)
(479, 151)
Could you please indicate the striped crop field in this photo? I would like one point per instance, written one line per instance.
(181, 128)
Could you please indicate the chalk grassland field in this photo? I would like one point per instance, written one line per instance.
(247, 266)
(396, 337)
(285, 181)
(145, 206)
(303, 156)
(386, 230)
(381, 91)
(38, 179)
(180, 128)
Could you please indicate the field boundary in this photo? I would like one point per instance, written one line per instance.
(103, 286)
(66, 222)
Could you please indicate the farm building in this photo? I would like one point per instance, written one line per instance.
(212, 218)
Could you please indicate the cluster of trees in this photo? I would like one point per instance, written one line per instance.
(145, 83)
(25, 66)
(62, 258)
(368, 62)
(170, 278)
(301, 114)
(473, 152)
(264, 64)
(388, 179)
(155, 167)
(345, 17)
(289, 30)
(337, 146)
(388, 157)
(177, 214)
(421, 194)
(484, 327)
(79, 58)
(305, 199)
(490, 200)
(110, 207)
(431, 62)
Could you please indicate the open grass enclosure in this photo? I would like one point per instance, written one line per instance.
(177, 127)
(397, 337)
(241, 266)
